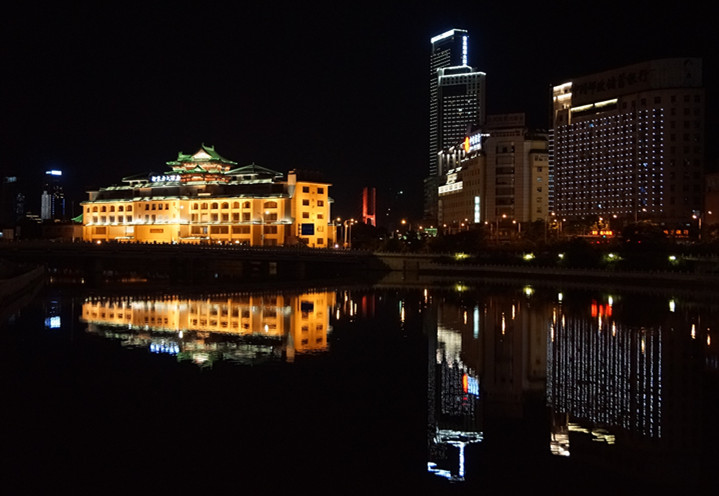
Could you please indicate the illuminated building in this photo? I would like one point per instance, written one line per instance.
(456, 103)
(52, 200)
(501, 172)
(630, 142)
(236, 326)
(369, 206)
(206, 198)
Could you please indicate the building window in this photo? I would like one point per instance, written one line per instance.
(305, 189)
(305, 215)
(305, 202)
(320, 191)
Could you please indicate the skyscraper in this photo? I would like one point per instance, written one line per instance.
(456, 104)
(52, 201)
(629, 143)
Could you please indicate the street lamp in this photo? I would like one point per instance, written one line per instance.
(504, 216)
(348, 233)
(698, 216)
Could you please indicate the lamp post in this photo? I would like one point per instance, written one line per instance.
(348, 233)
(338, 225)
(504, 216)
(698, 216)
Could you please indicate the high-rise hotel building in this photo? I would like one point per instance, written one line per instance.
(457, 93)
(206, 198)
(629, 143)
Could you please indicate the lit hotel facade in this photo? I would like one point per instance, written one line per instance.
(206, 198)
(629, 143)
(497, 174)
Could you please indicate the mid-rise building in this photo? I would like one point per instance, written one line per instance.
(457, 103)
(629, 143)
(206, 198)
(497, 174)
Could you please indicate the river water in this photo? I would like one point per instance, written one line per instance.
(485, 387)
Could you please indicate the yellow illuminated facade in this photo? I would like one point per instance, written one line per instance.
(206, 198)
(296, 323)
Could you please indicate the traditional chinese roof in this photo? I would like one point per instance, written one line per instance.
(206, 159)
(254, 171)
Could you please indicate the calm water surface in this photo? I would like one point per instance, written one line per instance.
(463, 388)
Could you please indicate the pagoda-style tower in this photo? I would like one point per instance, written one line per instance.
(205, 165)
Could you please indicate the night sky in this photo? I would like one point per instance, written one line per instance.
(106, 90)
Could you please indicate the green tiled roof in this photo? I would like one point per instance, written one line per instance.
(209, 150)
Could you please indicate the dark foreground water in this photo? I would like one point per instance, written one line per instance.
(484, 388)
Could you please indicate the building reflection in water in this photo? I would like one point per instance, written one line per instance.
(623, 379)
(246, 328)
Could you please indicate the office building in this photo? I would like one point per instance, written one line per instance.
(629, 143)
(457, 93)
(497, 175)
(205, 198)
(52, 200)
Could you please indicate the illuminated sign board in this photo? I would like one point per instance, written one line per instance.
(165, 178)
(470, 384)
(473, 142)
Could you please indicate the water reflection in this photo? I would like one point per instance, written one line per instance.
(625, 378)
(623, 385)
(243, 328)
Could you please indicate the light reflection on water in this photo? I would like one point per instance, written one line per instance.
(622, 384)
(242, 328)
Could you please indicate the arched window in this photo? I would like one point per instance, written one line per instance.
(270, 204)
(214, 205)
(225, 205)
(246, 205)
(236, 205)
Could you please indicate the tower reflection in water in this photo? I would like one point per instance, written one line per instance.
(624, 379)
(246, 328)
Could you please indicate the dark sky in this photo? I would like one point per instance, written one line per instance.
(103, 90)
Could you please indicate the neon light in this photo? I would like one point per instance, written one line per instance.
(464, 50)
